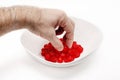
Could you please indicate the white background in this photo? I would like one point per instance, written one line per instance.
(103, 64)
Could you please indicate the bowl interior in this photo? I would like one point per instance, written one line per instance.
(86, 34)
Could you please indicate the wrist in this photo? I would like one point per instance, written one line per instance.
(5, 20)
(17, 17)
(26, 16)
(11, 18)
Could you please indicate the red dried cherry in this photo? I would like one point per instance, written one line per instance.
(66, 55)
(60, 60)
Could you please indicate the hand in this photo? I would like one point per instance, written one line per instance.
(49, 20)
(39, 21)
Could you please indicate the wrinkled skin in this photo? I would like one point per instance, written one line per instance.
(40, 21)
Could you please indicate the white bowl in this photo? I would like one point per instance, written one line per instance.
(86, 34)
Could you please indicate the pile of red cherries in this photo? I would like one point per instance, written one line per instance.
(66, 55)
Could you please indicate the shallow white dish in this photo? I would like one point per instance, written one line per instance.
(86, 34)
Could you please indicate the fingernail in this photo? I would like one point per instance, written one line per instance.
(69, 45)
(60, 48)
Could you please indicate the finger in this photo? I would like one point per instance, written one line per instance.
(59, 31)
(69, 28)
(73, 24)
(50, 35)
(69, 38)
(57, 44)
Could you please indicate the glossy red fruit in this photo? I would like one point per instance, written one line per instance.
(77, 54)
(53, 59)
(62, 55)
(47, 57)
(66, 55)
(65, 50)
(60, 60)
(68, 58)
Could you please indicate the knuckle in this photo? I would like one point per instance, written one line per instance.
(73, 25)
(63, 14)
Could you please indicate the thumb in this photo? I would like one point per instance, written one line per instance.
(57, 44)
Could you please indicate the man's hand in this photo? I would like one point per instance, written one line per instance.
(43, 22)
(49, 20)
